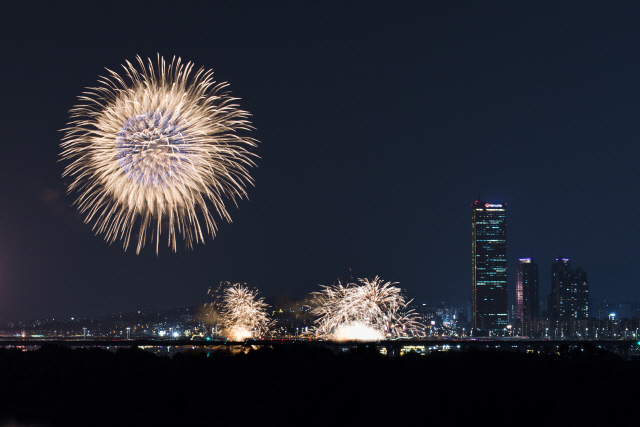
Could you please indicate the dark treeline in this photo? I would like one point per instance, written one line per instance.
(314, 385)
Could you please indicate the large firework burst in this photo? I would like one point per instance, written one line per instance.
(157, 148)
(238, 311)
(369, 310)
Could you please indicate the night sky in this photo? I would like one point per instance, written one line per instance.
(379, 124)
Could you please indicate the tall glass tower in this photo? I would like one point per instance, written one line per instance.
(489, 264)
(526, 293)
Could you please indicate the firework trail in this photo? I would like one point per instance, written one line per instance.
(370, 310)
(238, 313)
(157, 149)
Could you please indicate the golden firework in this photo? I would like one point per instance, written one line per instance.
(369, 310)
(157, 150)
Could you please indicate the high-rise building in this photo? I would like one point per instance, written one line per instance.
(580, 289)
(560, 298)
(526, 294)
(569, 299)
(489, 263)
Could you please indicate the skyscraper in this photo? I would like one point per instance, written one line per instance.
(580, 286)
(526, 294)
(489, 264)
(560, 298)
(569, 299)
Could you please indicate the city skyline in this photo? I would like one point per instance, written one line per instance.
(378, 124)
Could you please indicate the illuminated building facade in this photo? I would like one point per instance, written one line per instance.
(489, 268)
(559, 300)
(569, 299)
(527, 306)
(580, 288)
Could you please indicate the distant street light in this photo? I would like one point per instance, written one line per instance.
(85, 333)
(128, 331)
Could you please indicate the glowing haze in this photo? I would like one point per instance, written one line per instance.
(157, 150)
(367, 311)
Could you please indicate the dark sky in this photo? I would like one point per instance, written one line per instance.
(378, 124)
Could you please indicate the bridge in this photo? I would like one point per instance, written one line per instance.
(392, 347)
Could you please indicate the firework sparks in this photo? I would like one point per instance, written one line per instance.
(356, 331)
(368, 311)
(238, 311)
(160, 150)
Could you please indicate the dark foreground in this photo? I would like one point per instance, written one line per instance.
(303, 385)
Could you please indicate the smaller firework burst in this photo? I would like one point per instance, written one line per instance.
(369, 310)
(238, 313)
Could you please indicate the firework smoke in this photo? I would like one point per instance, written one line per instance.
(238, 313)
(158, 149)
(368, 311)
